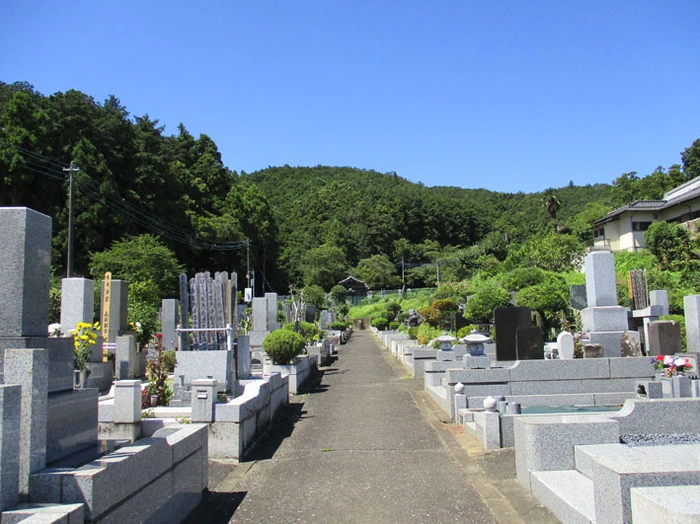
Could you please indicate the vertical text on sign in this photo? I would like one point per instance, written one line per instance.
(106, 299)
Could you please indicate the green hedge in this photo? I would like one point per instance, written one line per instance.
(283, 345)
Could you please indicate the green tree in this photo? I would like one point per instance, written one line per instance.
(488, 297)
(378, 272)
(552, 205)
(671, 245)
(559, 253)
(691, 160)
(582, 224)
(315, 296)
(550, 298)
(324, 266)
(140, 259)
(339, 294)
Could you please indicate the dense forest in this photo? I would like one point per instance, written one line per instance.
(290, 225)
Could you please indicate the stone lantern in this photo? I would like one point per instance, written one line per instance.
(445, 351)
(476, 358)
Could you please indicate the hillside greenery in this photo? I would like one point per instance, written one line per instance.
(138, 186)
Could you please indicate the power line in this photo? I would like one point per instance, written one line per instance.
(52, 168)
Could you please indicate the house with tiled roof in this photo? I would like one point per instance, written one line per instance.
(623, 229)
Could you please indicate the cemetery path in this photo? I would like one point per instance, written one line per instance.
(366, 445)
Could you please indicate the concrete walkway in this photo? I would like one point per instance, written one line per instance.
(366, 445)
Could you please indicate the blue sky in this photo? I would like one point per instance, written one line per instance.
(506, 95)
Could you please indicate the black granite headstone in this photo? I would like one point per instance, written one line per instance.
(506, 321)
(529, 343)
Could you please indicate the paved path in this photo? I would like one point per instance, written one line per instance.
(366, 445)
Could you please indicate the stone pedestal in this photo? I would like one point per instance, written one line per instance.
(203, 400)
(10, 405)
(30, 369)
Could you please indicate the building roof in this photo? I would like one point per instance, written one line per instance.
(351, 282)
(674, 197)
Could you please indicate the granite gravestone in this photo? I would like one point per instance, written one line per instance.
(529, 343)
(691, 308)
(566, 345)
(577, 294)
(507, 320)
(664, 338)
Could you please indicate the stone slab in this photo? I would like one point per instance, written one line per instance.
(547, 443)
(677, 504)
(609, 318)
(71, 422)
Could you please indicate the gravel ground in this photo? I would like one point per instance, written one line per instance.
(659, 439)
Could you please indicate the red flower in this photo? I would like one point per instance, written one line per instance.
(159, 335)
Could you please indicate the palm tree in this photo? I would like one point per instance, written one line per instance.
(552, 204)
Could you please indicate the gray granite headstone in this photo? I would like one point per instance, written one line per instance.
(601, 289)
(507, 320)
(691, 307)
(529, 342)
(664, 338)
(25, 270)
(259, 314)
(659, 297)
(77, 303)
(169, 319)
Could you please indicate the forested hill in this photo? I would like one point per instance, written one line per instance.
(306, 225)
(366, 213)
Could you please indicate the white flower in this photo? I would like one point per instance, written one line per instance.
(679, 362)
(55, 330)
(668, 360)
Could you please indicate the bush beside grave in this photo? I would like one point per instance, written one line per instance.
(283, 345)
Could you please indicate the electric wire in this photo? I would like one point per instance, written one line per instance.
(46, 166)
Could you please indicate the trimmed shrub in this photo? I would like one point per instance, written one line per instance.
(283, 345)
(339, 326)
(393, 326)
(380, 323)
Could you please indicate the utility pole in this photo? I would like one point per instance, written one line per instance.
(71, 178)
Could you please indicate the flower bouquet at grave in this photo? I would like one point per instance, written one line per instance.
(159, 381)
(670, 365)
(84, 337)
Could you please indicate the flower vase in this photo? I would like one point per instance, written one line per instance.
(79, 378)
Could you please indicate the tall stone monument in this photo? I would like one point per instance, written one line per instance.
(604, 322)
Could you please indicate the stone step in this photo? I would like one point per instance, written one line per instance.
(44, 513)
(568, 494)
